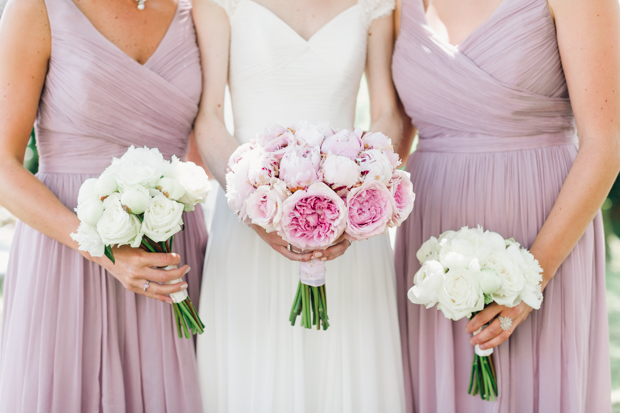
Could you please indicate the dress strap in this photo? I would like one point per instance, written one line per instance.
(228, 5)
(375, 9)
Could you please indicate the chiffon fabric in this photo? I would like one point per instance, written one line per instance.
(497, 140)
(250, 358)
(73, 339)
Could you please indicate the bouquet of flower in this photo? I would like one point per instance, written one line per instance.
(312, 184)
(462, 272)
(139, 201)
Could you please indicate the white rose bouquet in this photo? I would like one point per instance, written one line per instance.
(139, 201)
(313, 184)
(462, 272)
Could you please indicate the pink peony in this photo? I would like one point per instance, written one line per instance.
(370, 209)
(238, 188)
(263, 168)
(314, 218)
(283, 143)
(238, 154)
(270, 133)
(265, 205)
(312, 135)
(376, 140)
(402, 191)
(344, 143)
(300, 167)
(340, 173)
(376, 165)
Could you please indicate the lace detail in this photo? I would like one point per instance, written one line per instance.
(228, 5)
(377, 8)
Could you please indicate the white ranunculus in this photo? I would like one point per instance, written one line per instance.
(171, 188)
(136, 199)
(90, 211)
(427, 283)
(510, 275)
(460, 294)
(162, 219)
(116, 226)
(140, 166)
(89, 240)
(196, 183)
(340, 171)
(88, 190)
(376, 165)
(428, 251)
(106, 185)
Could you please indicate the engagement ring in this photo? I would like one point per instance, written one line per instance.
(146, 285)
(505, 323)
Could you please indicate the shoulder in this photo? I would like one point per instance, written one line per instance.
(375, 9)
(26, 20)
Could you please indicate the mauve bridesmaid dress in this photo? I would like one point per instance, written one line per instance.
(73, 339)
(497, 139)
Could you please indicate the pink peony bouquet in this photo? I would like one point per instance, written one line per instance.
(313, 185)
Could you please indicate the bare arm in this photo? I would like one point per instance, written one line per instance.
(25, 47)
(589, 42)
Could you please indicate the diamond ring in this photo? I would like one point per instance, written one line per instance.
(505, 323)
(288, 247)
(146, 285)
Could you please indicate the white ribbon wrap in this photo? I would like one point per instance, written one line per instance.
(478, 350)
(312, 273)
(181, 295)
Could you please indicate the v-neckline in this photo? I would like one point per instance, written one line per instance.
(470, 35)
(299, 36)
(121, 51)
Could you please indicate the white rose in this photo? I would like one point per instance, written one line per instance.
(89, 240)
(510, 275)
(460, 294)
(196, 183)
(90, 211)
(428, 251)
(264, 206)
(162, 219)
(376, 165)
(427, 283)
(340, 171)
(171, 188)
(117, 227)
(140, 166)
(136, 199)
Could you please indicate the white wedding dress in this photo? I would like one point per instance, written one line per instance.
(250, 358)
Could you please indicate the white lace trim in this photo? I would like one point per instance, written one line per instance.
(228, 5)
(375, 9)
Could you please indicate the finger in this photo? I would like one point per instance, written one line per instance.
(150, 292)
(163, 276)
(335, 251)
(165, 289)
(483, 317)
(293, 256)
(160, 260)
(517, 315)
(488, 333)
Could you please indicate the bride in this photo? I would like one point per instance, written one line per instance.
(287, 61)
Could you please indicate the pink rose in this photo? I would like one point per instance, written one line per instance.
(313, 218)
(376, 165)
(370, 209)
(344, 143)
(402, 191)
(263, 168)
(238, 154)
(299, 167)
(265, 205)
(270, 133)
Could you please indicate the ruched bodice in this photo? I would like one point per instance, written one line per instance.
(97, 100)
(271, 64)
(504, 80)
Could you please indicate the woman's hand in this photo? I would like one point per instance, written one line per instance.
(278, 244)
(493, 334)
(340, 247)
(134, 267)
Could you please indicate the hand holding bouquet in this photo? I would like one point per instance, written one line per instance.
(139, 201)
(462, 272)
(313, 184)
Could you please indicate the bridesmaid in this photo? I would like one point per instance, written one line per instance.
(487, 84)
(78, 333)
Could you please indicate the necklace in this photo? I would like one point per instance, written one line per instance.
(140, 4)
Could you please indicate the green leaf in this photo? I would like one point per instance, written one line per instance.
(110, 254)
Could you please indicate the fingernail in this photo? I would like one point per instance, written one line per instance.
(184, 287)
(483, 347)
(188, 270)
(318, 255)
(324, 259)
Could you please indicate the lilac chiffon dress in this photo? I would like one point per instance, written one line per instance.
(497, 140)
(73, 339)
